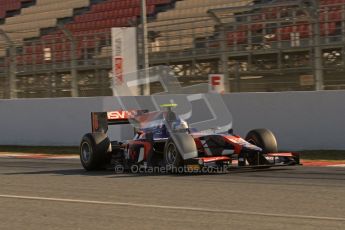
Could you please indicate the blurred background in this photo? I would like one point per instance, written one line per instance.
(63, 49)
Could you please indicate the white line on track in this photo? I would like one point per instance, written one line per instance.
(220, 211)
(37, 156)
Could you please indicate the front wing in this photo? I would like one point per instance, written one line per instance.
(239, 161)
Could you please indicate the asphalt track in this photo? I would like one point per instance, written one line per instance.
(58, 194)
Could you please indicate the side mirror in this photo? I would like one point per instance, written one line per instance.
(231, 131)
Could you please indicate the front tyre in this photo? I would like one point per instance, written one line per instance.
(93, 151)
(264, 139)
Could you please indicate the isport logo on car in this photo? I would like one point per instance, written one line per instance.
(119, 115)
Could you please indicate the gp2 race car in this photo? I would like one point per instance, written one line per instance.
(163, 139)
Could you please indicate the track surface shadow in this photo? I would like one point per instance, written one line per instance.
(82, 172)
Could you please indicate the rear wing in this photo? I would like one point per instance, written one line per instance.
(101, 120)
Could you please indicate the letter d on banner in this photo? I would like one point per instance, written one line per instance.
(124, 56)
(216, 83)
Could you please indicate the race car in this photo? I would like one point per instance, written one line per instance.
(163, 139)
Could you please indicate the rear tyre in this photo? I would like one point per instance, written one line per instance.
(172, 157)
(264, 139)
(93, 151)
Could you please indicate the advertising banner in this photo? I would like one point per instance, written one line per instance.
(216, 83)
(124, 57)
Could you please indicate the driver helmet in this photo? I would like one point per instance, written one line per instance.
(179, 125)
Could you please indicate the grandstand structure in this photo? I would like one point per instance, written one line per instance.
(49, 49)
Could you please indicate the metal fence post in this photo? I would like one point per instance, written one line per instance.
(314, 14)
(237, 76)
(144, 88)
(74, 72)
(224, 59)
(13, 66)
(318, 65)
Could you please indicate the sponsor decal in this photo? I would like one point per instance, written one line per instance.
(124, 58)
(120, 115)
(216, 82)
(119, 70)
(95, 125)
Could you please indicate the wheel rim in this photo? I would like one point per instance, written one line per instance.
(86, 152)
(171, 154)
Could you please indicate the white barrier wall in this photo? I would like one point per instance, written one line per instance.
(46, 121)
(300, 120)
